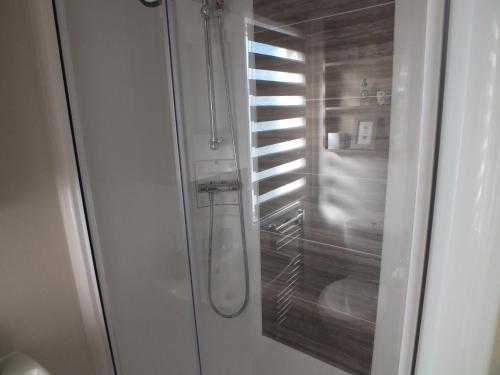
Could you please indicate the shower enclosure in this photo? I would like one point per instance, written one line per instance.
(256, 177)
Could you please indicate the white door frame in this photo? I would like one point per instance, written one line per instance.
(462, 299)
(68, 186)
(418, 47)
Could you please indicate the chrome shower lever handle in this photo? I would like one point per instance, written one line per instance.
(218, 187)
(213, 143)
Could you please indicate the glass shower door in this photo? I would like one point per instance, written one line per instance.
(257, 178)
(117, 81)
(294, 119)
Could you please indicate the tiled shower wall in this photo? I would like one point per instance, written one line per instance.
(343, 42)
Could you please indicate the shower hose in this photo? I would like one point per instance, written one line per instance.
(220, 6)
(244, 304)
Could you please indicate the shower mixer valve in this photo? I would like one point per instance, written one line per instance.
(213, 143)
(218, 187)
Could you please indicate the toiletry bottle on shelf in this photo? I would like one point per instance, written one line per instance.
(364, 100)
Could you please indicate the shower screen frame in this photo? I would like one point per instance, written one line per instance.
(414, 120)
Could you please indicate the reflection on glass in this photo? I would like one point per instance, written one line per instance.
(278, 147)
(269, 50)
(288, 123)
(320, 207)
(280, 101)
(275, 76)
(279, 169)
(282, 190)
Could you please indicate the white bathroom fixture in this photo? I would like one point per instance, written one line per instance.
(350, 300)
(17, 363)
